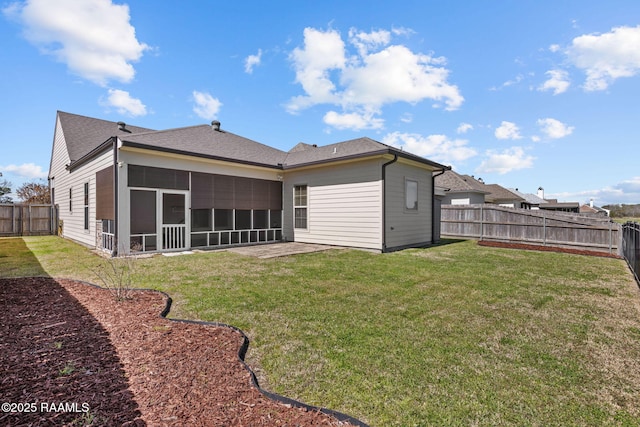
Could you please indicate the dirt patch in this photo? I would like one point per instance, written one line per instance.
(120, 363)
(545, 248)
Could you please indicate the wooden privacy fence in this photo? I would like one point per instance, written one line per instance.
(538, 227)
(28, 220)
(631, 247)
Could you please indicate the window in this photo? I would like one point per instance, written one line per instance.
(411, 195)
(143, 212)
(243, 219)
(223, 219)
(260, 219)
(300, 206)
(201, 220)
(86, 205)
(70, 198)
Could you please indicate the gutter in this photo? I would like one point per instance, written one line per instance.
(114, 251)
(199, 155)
(384, 201)
(382, 152)
(433, 200)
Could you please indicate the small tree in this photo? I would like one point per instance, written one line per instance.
(5, 188)
(34, 193)
(117, 274)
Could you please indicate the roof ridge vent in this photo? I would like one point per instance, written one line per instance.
(215, 125)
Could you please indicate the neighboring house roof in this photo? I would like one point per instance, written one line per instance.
(529, 198)
(553, 204)
(500, 194)
(593, 209)
(456, 183)
(496, 193)
(85, 136)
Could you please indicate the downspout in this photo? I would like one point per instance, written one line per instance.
(114, 250)
(433, 202)
(384, 202)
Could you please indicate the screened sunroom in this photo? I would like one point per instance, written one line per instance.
(175, 210)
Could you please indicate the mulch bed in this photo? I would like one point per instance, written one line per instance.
(121, 364)
(545, 248)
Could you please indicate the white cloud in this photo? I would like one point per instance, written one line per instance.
(558, 82)
(25, 170)
(125, 104)
(554, 129)
(206, 106)
(406, 118)
(94, 38)
(251, 61)
(464, 128)
(354, 121)
(323, 52)
(517, 79)
(631, 186)
(627, 192)
(508, 160)
(435, 147)
(376, 74)
(365, 42)
(606, 57)
(508, 130)
(554, 48)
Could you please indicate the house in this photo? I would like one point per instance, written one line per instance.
(593, 210)
(460, 189)
(123, 188)
(554, 205)
(468, 190)
(530, 201)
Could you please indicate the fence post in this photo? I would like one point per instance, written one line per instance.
(610, 238)
(544, 229)
(481, 222)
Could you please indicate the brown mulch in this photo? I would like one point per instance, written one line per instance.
(119, 363)
(545, 248)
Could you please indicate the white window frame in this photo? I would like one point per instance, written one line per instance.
(409, 193)
(85, 203)
(299, 206)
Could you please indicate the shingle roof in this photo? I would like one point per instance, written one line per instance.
(498, 194)
(305, 154)
(205, 141)
(532, 199)
(83, 134)
(456, 183)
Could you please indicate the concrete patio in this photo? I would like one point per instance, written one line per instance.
(273, 250)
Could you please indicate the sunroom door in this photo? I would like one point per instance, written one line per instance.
(174, 220)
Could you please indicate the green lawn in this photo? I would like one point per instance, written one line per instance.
(456, 334)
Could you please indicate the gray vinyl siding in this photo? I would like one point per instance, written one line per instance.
(343, 204)
(407, 227)
(468, 198)
(63, 180)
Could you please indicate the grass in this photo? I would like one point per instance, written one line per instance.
(623, 220)
(456, 334)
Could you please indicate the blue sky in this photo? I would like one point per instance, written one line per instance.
(521, 93)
